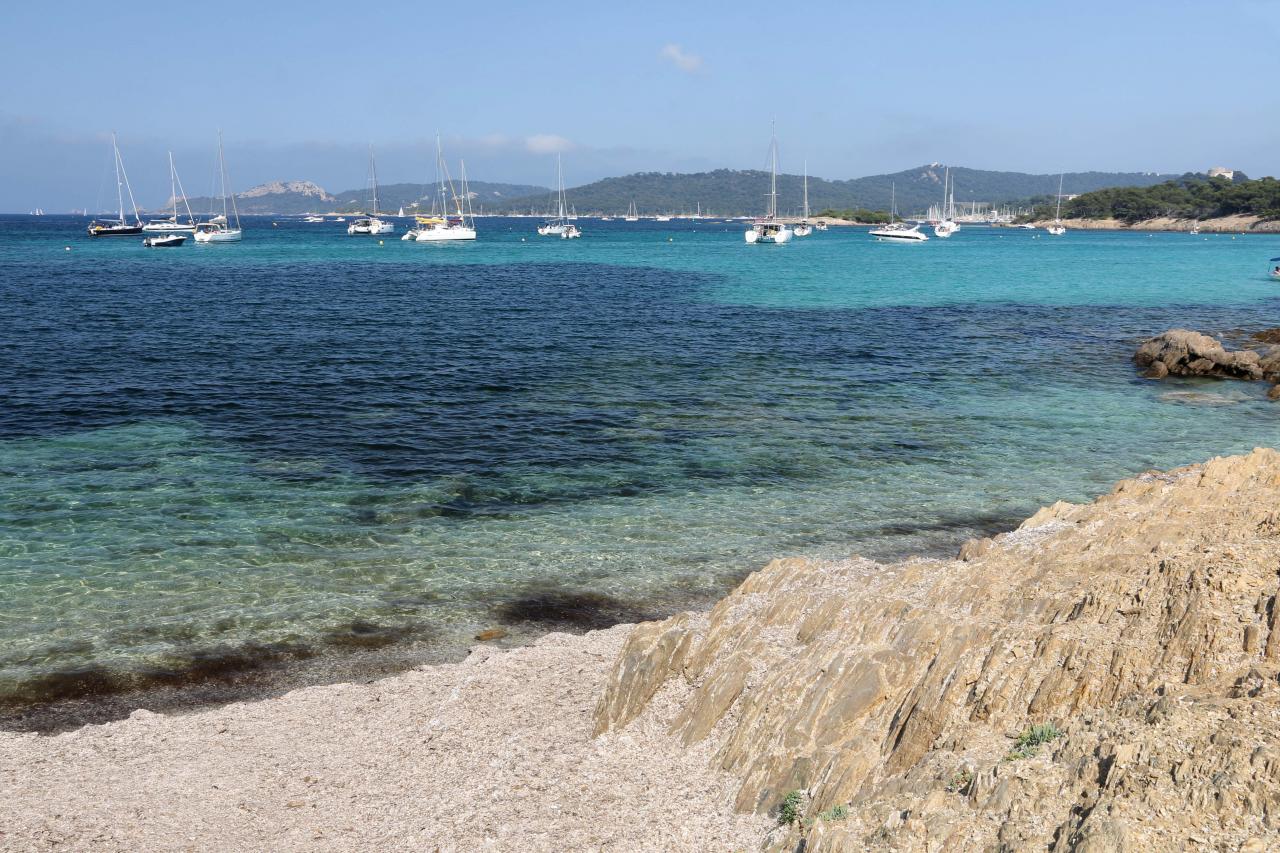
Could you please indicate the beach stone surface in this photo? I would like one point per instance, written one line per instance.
(494, 753)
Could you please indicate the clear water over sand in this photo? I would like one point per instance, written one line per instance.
(311, 442)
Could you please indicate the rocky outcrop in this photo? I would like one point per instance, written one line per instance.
(1182, 352)
(1140, 634)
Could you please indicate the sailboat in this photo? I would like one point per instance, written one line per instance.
(1057, 229)
(172, 224)
(632, 214)
(371, 224)
(118, 227)
(895, 231)
(458, 225)
(218, 229)
(947, 224)
(560, 226)
(767, 229)
(804, 229)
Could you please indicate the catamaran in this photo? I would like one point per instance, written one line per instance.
(458, 225)
(1057, 229)
(767, 229)
(218, 229)
(895, 231)
(118, 227)
(371, 224)
(559, 226)
(172, 223)
(947, 225)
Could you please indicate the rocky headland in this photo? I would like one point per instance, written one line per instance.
(1106, 677)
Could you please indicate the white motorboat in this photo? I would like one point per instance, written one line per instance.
(821, 226)
(947, 225)
(570, 232)
(218, 229)
(172, 223)
(803, 228)
(662, 217)
(164, 241)
(118, 227)
(768, 229)
(557, 226)
(313, 219)
(373, 223)
(460, 224)
(1057, 229)
(895, 231)
(900, 232)
(1195, 229)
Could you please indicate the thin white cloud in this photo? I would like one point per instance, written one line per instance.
(681, 58)
(546, 143)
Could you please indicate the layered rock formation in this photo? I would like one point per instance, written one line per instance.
(895, 704)
(1182, 352)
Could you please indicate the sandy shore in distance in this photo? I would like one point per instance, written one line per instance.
(494, 753)
(1223, 225)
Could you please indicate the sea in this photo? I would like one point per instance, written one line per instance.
(232, 469)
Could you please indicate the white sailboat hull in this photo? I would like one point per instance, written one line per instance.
(443, 235)
(769, 234)
(551, 230)
(945, 229)
(167, 227)
(371, 226)
(802, 230)
(231, 235)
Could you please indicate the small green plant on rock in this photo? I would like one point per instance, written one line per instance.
(792, 807)
(960, 781)
(839, 812)
(1031, 739)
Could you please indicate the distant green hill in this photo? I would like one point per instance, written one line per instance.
(1192, 196)
(731, 193)
(725, 192)
(294, 197)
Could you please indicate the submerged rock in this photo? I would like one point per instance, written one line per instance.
(1106, 677)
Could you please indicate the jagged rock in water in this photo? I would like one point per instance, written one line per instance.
(1182, 352)
(1144, 627)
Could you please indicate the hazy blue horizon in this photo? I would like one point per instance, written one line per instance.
(301, 90)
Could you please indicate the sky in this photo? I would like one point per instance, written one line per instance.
(301, 89)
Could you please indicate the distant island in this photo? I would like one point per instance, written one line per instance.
(722, 192)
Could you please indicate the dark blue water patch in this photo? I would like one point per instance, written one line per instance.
(615, 381)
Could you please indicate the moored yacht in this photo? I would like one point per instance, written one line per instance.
(172, 223)
(460, 224)
(118, 227)
(895, 231)
(632, 214)
(371, 224)
(1057, 229)
(218, 229)
(803, 228)
(947, 225)
(768, 229)
(557, 226)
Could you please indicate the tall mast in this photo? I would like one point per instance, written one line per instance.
(222, 164)
(173, 187)
(806, 189)
(373, 172)
(122, 173)
(773, 175)
(560, 184)
(1057, 213)
(119, 186)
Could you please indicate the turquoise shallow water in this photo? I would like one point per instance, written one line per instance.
(309, 443)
